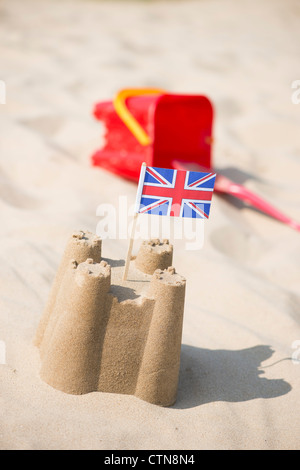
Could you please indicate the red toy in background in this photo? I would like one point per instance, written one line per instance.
(168, 131)
(156, 128)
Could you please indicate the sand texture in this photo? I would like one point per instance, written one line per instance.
(91, 341)
(239, 373)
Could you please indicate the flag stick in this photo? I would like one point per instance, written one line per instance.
(137, 205)
(130, 247)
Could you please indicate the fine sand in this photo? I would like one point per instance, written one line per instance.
(239, 372)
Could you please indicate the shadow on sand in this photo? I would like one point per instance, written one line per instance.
(223, 375)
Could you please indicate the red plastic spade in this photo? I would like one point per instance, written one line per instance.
(168, 131)
(226, 186)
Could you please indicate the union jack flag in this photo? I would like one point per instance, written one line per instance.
(176, 193)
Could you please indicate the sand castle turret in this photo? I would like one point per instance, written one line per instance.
(154, 254)
(159, 368)
(80, 247)
(101, 334)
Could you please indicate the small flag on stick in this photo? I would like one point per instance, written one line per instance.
(175, 193)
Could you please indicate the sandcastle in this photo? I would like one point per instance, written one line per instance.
(98, 333)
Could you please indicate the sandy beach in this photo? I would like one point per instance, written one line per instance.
(240, 357)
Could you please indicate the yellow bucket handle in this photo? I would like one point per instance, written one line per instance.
(123, 112)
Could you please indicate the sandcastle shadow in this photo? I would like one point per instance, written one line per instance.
(114, 263)
(123, 293)
(240, 177)
(237, 175)
(224, 375)
(119, 291)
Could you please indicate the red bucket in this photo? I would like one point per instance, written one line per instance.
(168, 131)
(154, 127)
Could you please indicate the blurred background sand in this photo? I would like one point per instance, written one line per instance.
(238, 388)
